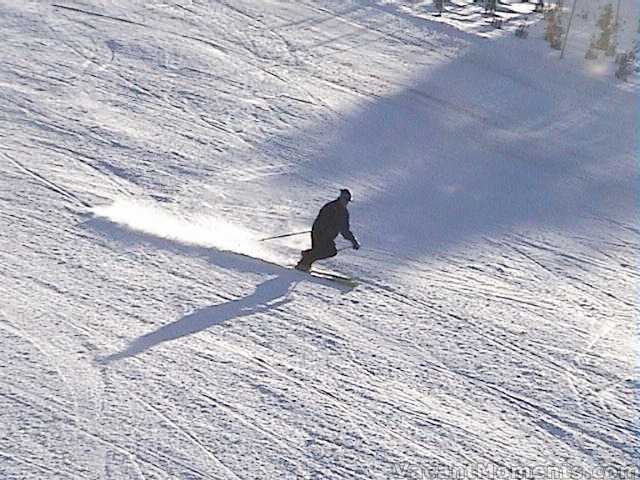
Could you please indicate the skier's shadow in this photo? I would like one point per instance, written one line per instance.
(267, 296)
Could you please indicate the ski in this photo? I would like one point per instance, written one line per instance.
(323, 274)
(350, 282)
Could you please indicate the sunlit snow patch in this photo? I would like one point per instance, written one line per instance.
(598, 69)
(200, 230)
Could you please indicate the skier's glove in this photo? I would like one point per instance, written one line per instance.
(356, 245)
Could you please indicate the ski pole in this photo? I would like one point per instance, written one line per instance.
(285, 235)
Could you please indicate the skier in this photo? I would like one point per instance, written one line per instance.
(332, 220)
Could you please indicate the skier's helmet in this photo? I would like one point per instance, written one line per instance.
(345, 194)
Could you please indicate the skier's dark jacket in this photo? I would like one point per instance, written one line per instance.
(332, 220)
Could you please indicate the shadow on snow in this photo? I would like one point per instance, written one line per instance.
(481, 145)
(267, 296)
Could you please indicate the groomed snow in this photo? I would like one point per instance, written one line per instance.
(492, 334)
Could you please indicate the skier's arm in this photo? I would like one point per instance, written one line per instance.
(347, 233)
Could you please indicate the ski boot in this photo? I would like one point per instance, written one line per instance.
(304, 265)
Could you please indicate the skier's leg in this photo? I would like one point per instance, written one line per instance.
(314, 236)
(324, 250)
(307, 255)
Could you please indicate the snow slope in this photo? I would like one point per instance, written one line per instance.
(143, 143)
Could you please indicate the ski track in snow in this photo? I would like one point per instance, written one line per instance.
(144, 143)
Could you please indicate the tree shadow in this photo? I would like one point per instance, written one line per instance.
(267, 296)
(481, 145)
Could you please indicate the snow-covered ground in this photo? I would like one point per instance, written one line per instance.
(492, 334)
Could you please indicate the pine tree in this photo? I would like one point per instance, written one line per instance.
(626, 64)
(490, 6)
(591, 53)
(553, 32)
(607, 28)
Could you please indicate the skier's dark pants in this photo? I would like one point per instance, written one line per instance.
(321, 247)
